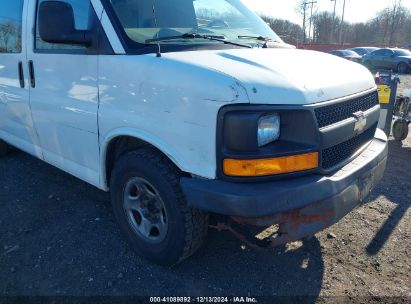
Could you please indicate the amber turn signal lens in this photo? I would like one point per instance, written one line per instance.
(270, 166)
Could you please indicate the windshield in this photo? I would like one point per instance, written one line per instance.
(344, 53)
(143, 20)
(402, 53)
(360, 51)
(363, 51)
(349, 53)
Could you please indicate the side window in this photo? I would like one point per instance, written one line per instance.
(10, 25)
(81, 9)
(379, 53)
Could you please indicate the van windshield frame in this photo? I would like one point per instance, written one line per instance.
(138, 46)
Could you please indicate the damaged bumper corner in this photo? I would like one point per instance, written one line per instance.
(300, 207)
(303, 222)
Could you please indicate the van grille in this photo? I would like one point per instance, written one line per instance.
(334, 113)
(335, 155)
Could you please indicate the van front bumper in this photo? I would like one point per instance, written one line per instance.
(311, 202)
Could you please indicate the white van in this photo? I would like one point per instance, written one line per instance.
(188, 108)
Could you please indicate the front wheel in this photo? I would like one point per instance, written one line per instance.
(151, 209)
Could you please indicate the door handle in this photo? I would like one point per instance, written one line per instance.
(21, 75)
(31, 73)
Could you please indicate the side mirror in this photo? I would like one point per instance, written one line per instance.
(57, 24)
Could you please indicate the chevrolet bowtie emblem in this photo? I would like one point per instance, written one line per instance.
(361, 121)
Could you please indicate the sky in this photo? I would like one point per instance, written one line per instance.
(12, 10)
(356, 10)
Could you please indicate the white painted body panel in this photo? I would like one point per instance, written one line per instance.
(64, 106)
(82, 102)
(170, 104)
(285, 76)
(16, 123)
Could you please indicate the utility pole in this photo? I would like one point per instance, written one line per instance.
(342, 24)
(305, 3)
(311, 17)
(304, 21)
(333, 25)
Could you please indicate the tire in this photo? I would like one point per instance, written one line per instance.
(400, 130)
(149, 174)
(403, 68)
(4, 148)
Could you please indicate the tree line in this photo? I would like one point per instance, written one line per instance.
(10, 37)
(390, 27)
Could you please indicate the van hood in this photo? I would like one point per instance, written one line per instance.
(283, 76)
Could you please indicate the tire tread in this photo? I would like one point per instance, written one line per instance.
(196, 221)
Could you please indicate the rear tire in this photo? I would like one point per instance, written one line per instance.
(403, 68)
(4, 148)
(160, 227)
(400, 130)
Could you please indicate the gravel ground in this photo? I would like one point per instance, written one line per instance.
(58, 237)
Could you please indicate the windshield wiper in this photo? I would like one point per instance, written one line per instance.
(197, 36)
(259, 38)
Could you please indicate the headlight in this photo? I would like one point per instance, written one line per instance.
(268, 129)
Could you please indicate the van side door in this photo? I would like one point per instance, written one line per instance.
(16, 123)
(64, 95)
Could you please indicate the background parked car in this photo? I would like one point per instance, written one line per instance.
(347, 54)
(363, 50)
(389, 59)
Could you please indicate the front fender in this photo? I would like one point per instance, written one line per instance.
(155, 141)
(171, 104)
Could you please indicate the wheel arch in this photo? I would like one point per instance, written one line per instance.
(121, 141)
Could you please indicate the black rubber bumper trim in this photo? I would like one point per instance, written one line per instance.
(267, 198)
